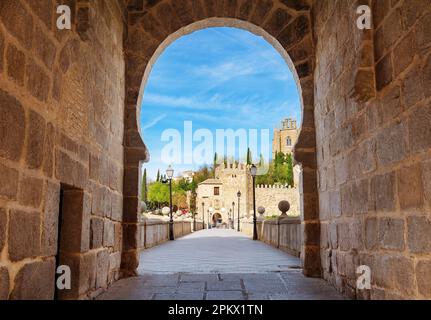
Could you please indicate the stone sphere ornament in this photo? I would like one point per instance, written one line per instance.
(166, 210)
(143, 206)
(284, 206)
(261, 210)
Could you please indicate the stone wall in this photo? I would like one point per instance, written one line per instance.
(269, 197)
(154, 232)
(61, 108)
(374, 138)
(284, 234)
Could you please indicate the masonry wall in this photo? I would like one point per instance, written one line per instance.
(373, 119)
(61, 125)
(270, 196)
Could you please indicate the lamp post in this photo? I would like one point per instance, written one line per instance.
(210, 212)
(194, 221)
(239, 198)
(253, 171)
(170, 174)
(203, 215)
(233, 215)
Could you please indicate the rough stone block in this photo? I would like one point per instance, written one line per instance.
(96, 240)
(371, 233)
(116, 207)
(391, 233)
(420, 129)
(31, 192)
(108, 234)
(9, 185)
(44, 47)
(35, 141)
(12, 127)
(37, 81)
(426, 180)
(4, 283)
(2, 46)
(423, 278)
(70, 171)
(392, 144)
(24, 234)
(410, 187)
(76, 216)
(102, 269)
(419, 234)
(3, 226)
(383, 192)
(35, 281)
(17, 21)
(278, 20)
(384, 72)
(50, 219)
(15, 64)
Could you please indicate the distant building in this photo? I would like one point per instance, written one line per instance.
(285, 138)
(186, 175)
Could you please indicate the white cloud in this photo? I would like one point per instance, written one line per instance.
(153, 122)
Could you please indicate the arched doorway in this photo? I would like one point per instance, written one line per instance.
(217, 219)
(287, 28)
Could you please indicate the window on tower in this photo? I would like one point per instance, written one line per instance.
(216, 191)
(289, 142)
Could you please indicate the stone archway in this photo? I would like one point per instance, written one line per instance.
(285, 24)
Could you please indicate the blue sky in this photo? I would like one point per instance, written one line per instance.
(218, 78)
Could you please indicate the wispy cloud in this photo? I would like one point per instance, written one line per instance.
(153, 122)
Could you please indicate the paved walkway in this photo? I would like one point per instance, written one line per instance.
(219, 264)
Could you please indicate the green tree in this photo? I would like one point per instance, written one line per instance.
(215, 164)
(289, 164)
(158, 193)
(249, 157)
(158, 176)
(144, 186)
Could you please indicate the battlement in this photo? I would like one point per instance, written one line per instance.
(275, 186)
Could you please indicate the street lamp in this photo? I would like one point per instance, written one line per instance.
(253, 171)
(170, 174)
(239, 196)
(233, 215)
(203, 215)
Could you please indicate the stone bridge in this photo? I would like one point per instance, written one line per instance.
(71, 151)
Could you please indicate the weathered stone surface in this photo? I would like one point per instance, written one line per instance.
(108, 234)
(391, 233)
(371, 233)
(35, 141)
(410, 187)
(24, 234)
(12, 127)
(419, 234)
(392, 144)
(35, 281)
(423, 278)
(96, 239)
(9, 185)
(4, 283)
(15, 64)
(50, 219)
(420, 129)
(382, 190)
(102, 269)
(18, 21)
(31, 191)
(3, 227)
(37, 81)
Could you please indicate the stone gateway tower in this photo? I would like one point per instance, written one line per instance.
(71, 149)
(285, 138)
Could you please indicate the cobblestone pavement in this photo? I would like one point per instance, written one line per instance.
(219, 265)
